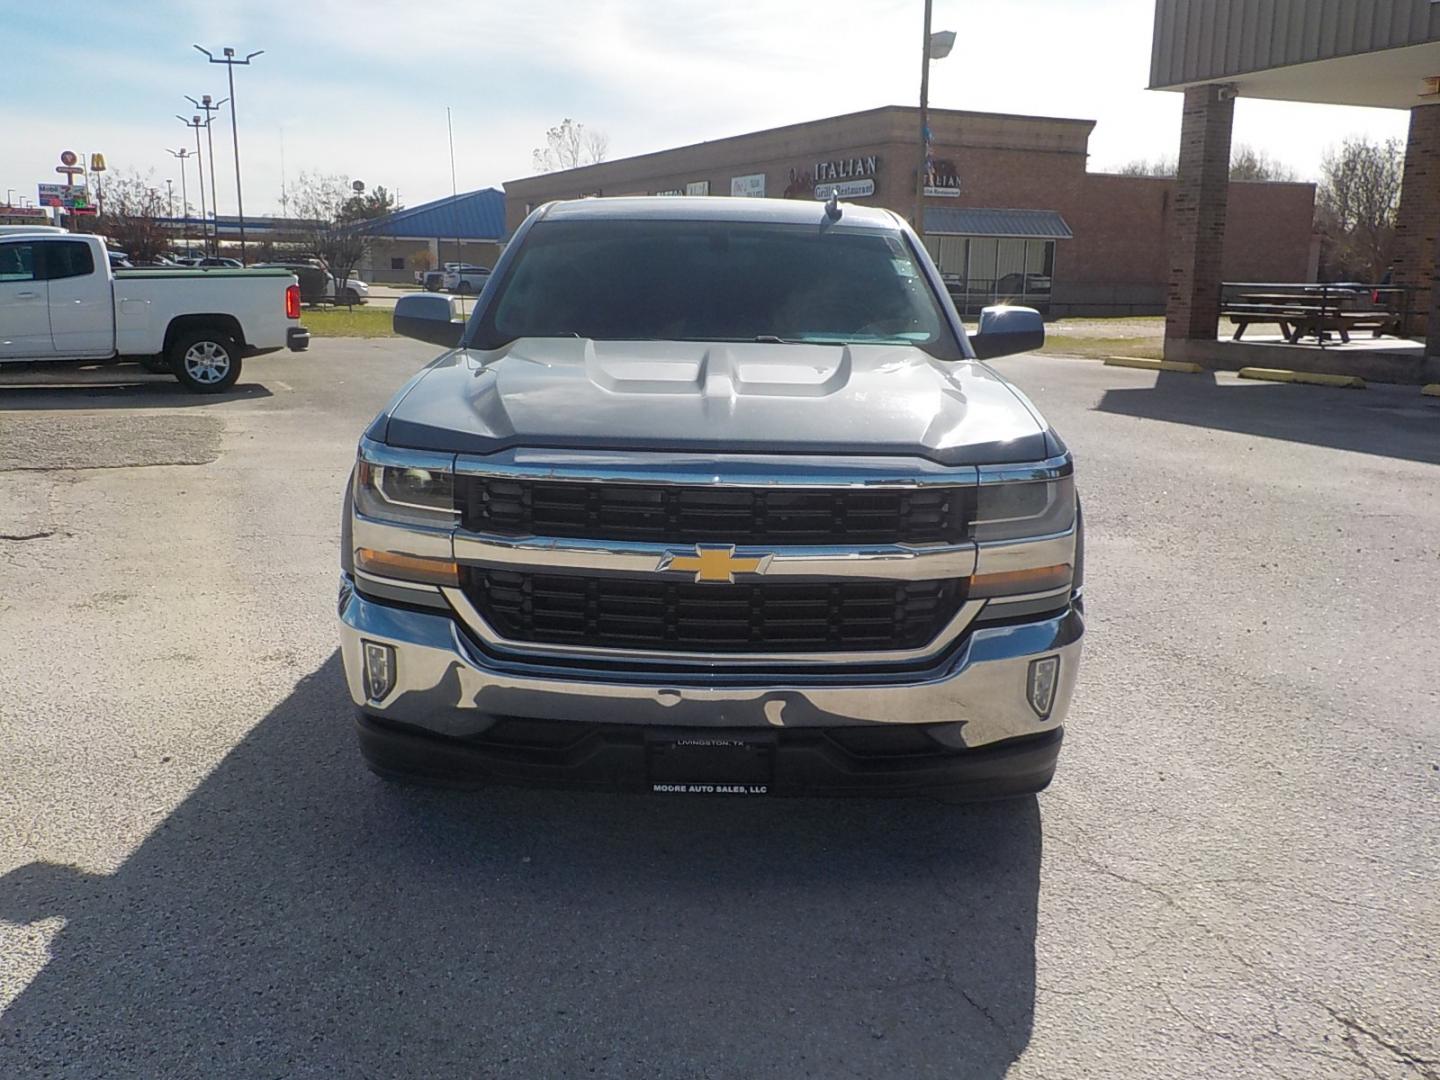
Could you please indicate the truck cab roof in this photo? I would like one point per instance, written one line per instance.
(716, 208)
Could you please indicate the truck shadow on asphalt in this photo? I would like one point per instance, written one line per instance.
(1391, 421)
(153, 392)
(295, 916)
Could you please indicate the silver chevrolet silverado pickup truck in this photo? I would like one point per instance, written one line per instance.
(713, 496)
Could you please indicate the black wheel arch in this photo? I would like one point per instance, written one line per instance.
(218, 321)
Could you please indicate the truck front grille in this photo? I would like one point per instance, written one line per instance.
(621, 613)
(730, 515)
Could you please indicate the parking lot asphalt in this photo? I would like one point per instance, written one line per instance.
(1233, 875)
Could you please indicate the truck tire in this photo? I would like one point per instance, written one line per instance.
(205, 361)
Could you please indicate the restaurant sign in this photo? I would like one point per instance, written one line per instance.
(943, 180)
(845, 189)
(846, 178)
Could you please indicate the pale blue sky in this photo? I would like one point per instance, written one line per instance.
(360, 87)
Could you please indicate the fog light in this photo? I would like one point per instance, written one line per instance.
(1044, 675)
(379, 670)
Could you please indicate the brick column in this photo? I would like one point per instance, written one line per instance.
(1432, 338)
(1197, 222)
(1417, 227)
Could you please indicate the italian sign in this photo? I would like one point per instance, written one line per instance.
(846, 189)
(943, 180)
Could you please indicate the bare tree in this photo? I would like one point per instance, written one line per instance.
(323, 205)
(1358, 202)
(569, 145)
(1248, 163)
(134, 207)
(1161, 166)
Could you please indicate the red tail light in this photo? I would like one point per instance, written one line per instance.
(292, 301)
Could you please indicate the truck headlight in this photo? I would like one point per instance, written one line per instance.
(1009, 509)
(418, 492)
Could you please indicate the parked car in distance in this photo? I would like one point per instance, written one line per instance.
(432, 280)
(713, 496)
(119, 260)
(220, 263)
(61, 300)
(465, 278)
(317, 284)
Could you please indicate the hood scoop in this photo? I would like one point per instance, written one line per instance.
(718, 373)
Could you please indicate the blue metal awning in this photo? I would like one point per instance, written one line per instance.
(975, 221)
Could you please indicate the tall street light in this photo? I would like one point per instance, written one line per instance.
(937, 46)
(196, 123)
(228, 59)
(204, 103)
(170, 198)
(184, 155)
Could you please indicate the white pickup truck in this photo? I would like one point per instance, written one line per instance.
(59, 300)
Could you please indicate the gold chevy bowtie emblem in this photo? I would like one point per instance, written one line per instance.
(714, 563)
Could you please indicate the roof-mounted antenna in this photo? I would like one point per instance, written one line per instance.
(832, 206)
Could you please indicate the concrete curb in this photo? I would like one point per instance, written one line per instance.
(1145, 364)
(1433, 390)
(1346, 382)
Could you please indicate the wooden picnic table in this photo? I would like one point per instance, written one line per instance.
(1313, 311)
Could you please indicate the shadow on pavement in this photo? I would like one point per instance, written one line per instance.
(113, 388)
(1390, 421)
(296, 916)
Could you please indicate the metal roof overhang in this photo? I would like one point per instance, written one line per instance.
(1010, 224)
(1385, 79)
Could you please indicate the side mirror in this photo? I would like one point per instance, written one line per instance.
(428, 317)
(1006, 330)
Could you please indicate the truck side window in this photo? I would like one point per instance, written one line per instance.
(17, 262)
(67, 258)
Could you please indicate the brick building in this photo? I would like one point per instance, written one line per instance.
(1010, 213)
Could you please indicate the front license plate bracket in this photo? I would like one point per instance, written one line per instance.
(710, 764)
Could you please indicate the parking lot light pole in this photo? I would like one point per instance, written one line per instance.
(170, 198)
(196, 123)
(937, 46)
(182, 154)
(228, 59)
(205, 104)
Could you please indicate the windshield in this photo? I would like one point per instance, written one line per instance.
(628, 280)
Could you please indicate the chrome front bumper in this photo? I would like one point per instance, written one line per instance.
(446, 686)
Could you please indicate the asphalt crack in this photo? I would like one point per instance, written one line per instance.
(1421, 1065)
(21, 537)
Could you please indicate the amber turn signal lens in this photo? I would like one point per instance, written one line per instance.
(420, 568)
(1019, 582)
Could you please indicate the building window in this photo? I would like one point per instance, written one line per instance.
(982, 270)
(397, 262)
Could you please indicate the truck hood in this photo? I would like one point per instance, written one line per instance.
(681, 396)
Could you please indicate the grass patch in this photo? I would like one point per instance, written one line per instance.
(348, 322)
